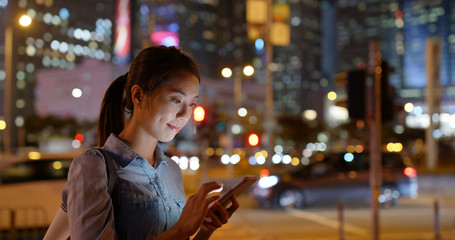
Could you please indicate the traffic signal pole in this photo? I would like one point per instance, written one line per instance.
(375, 123)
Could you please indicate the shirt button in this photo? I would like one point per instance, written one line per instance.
(168, 208)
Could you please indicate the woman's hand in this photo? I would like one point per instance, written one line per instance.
(196, 208)
(216, 217)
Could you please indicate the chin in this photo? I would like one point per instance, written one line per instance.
(167, 138)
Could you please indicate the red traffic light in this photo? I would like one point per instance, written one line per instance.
(253, 139)
(79, 137)
(199, 114)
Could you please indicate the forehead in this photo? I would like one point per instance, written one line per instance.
(183, 82)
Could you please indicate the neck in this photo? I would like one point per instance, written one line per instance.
(141, 143)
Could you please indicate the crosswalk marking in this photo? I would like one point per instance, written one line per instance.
(326, 221)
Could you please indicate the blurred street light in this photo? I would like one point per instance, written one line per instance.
(332, 96)
(248, 70)
(408, 107)
(226, 72)
(242, 112)
(25, 20)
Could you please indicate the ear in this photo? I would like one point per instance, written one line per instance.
(137, 95)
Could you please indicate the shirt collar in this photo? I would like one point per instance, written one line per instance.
(124, 155)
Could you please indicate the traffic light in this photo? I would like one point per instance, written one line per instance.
(356, 94)
(199, 114)
(253, 139)
(79, 137)
(356, 90)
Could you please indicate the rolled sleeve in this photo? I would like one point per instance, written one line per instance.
(89, 206)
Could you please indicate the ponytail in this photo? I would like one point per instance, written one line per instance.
(112, 116)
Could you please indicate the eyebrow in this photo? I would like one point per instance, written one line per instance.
(181, 92)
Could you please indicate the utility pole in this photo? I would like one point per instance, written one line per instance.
(433, 58)
(375, 126)
(269, 106)
(8, 88)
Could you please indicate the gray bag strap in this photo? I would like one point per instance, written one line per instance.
(113, 187)
(111, 174)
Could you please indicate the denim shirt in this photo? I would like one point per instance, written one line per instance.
(151, 197)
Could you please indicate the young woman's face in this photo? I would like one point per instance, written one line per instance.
(170, 107)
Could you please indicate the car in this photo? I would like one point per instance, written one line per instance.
(338, 178)
(37, 166)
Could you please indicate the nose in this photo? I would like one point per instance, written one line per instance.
(185, 112)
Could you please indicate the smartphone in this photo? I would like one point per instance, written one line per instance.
(237, 189)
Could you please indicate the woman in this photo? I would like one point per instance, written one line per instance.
(149, 104)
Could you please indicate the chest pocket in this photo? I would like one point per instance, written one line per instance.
(180, 205)
(139, 216)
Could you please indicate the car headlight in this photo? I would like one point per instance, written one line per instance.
(268, 181)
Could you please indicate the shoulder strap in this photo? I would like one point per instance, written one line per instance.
(110, 169)
(113, 183)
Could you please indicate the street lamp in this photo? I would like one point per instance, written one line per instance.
(24, 21)
(227, 73)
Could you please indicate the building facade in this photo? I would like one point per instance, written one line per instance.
(60, 36)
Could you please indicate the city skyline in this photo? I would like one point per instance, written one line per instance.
(326, 38)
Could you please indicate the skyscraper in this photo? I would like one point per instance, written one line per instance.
(61, 35)
(402, 28)
(298, 81)
(361, 22)
(423, 20)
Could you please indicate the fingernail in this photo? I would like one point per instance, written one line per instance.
(220, 187)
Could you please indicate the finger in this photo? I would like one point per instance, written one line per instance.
(217, 190)
(211, 199)
(222, 215)
(234, 206)
(217, 220)
(208, 187)
(209, 226)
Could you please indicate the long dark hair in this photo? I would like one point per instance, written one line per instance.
(151, 68)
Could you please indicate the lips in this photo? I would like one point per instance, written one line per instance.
(174, 128)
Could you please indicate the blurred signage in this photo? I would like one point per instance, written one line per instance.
(165, 38)
(281, 12)
(257, 16)
(341, 79)
(256, 11)
(280, 34)
(280, 31)
(122, 38)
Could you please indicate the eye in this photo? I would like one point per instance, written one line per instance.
(176, 100)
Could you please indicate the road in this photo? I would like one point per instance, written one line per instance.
(410, 219)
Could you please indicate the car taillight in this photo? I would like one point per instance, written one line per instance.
(410, 172)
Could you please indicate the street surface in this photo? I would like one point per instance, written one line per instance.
(36, 204)
(410, 220)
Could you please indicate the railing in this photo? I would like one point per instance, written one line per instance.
(23, 222)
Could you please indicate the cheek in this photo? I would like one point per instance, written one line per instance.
(187, 119)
